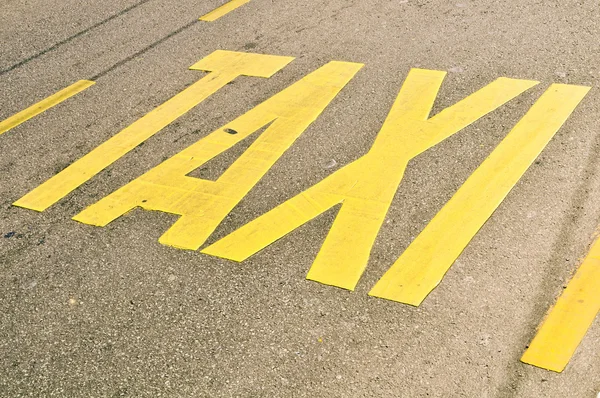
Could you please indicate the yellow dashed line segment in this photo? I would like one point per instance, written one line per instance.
(224, 9)
(44, 105)
(569, 320)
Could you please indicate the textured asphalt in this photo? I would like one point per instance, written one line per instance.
(109, 312)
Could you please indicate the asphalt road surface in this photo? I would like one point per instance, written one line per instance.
(89, 311)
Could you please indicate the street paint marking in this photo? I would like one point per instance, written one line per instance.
(225, 66)
(222, 10)
(203, 204)
(569, 320)
(425, 262)
(44, 105)
(366, 187)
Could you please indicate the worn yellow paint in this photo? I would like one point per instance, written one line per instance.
(569, 320)
(222, 10)
(203, 204)
(44, 105)
(423, 265)
(225, 66)
(366, 187)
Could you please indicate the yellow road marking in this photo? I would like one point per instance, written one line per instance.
(222, 10)
(366, 187)
(225, 66)
(44, 105)
(569, 320)
(203, 204)
(425, 262)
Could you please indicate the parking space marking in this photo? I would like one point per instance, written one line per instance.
(225, 66)
(568, 322)
(222, 10)
(44, 105)
(425, 262)
(366, 187)
(203, 204)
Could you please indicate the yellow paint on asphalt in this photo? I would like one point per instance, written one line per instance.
(203, 204)
(222, 10)
(568, 322)
(44, 105)
(425, 262)
(366, 187)
(225, 66)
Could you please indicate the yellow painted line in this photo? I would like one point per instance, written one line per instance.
(366, 187)
(570, 319)
(425, 262)
(203, 204)
(225, 66)
(224, 9)
(44, 105)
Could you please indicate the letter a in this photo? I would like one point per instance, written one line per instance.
(203, 204)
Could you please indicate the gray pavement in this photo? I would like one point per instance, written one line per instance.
(108, 312)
